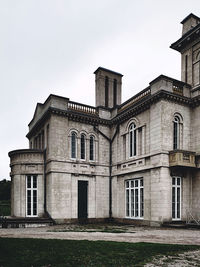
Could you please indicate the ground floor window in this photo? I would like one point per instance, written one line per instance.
(176, 198)
(31, 195)
(134, 198)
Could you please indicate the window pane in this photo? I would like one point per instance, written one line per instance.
(135, 142)
(141, 202)
(34, 181)
(173, 181)
(127, 203)
(73, 145)
(82, 146)
(28, 202)
(34, 202)
(132, 203)
(136, 202)
(127, 184)
(28, 181)
(131, 143)
(91, 148)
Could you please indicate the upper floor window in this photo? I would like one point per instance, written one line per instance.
(132, 140)
(82, 146)
(196, 67)
(176, 132)
(73, 145)
(91, 147)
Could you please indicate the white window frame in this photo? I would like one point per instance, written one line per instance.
(176, 186)
(31, 189)
(132, 187)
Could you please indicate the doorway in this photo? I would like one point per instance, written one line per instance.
(82, 199)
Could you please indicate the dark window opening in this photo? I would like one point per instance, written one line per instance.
(106, 91)
(186, 68)
(115, 93)
(91, 148)
(82, 146)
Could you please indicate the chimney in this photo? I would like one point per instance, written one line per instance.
(189, 22)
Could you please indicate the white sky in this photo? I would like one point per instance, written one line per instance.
(54, 46)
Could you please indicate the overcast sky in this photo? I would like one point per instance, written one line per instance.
(54, 46)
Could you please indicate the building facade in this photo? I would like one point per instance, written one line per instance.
(136, 161)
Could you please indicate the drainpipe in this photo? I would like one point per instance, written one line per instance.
(110, 140)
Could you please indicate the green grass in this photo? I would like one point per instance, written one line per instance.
(43, 252)
(4, 208)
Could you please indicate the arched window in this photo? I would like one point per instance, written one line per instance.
(132, 140)
(73, 145)
(82, 146)
(91, 147)
(176, 133)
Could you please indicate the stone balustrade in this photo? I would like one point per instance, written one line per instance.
(82, 108)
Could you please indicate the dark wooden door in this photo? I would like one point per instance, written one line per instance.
(82, 199)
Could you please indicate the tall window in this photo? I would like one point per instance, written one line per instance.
(132, 140)
(176, 198)
(186, 68)
(91, 147)
(106, 91)
(73, 145)
(135, 198)
(176, 133)
(82, 146)
(115, 93)
(31, 195)
(196, 67)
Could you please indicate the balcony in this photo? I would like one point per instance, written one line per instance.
(182, 158)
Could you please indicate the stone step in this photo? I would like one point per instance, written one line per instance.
(12, 222)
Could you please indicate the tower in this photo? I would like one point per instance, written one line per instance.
(189, 47)
(108, 88)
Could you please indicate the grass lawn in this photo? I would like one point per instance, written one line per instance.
(43, 252)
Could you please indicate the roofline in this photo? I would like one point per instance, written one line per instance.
(184, 38)
(111, 71)
(190, 15)
(48, 98)
(160, 77)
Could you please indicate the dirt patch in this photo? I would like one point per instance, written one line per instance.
(128, 234)
(186, 259)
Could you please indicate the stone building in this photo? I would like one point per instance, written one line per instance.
(137, 161)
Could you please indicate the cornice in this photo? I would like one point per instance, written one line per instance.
(145, 104)
(122, 116)
(187, 38)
